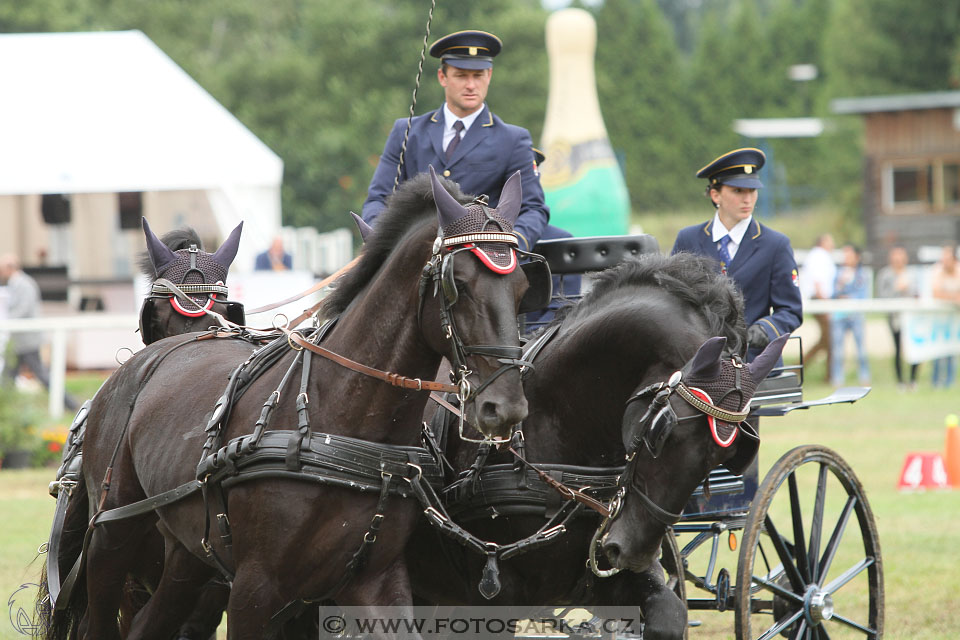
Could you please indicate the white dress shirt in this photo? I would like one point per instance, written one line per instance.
(449, 118)
(736, 234)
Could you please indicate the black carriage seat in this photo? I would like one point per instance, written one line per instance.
(780, 388)
(593, 253)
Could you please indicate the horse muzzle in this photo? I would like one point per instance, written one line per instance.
(496, 410)
(624, 551)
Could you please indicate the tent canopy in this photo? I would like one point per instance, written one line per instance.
(110, 111)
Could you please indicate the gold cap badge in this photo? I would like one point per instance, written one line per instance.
(473, 51)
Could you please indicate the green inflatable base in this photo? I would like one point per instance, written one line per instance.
(595, 205)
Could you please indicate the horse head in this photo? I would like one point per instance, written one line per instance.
(476, 285)
(675, 431)
(178, 258)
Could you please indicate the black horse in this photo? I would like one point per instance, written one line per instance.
(285, 533)
(177, 255)
(641, 322)
(178, 258)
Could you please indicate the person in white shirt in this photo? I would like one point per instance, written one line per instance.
(816, 283)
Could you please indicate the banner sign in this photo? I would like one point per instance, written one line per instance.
(927, 335)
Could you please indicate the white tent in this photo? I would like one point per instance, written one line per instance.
(98, 113)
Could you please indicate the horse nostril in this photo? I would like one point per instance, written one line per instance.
(612, 551)
(489, 414)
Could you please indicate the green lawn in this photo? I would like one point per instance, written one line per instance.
(919, 532)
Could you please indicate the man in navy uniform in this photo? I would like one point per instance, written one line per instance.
(759, 259)
(465, 141)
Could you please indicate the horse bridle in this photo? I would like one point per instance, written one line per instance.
(438, 273)
(654, 428)
(161, 289)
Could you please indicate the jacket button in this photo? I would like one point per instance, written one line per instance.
(446, 173)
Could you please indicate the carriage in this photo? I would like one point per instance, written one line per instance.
(800, 604)
(809, 563)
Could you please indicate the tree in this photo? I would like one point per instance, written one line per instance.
(642, 96)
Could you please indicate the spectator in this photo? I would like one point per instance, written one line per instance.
(851, 283)
(23, 296)
(898, 280)
(946, 286)
(816, 283)
(274, 258)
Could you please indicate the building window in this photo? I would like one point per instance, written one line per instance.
(911, 185)
(922, 186)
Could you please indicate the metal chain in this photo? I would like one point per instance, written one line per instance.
(416, 87)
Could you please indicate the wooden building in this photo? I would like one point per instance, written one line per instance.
(911, 190)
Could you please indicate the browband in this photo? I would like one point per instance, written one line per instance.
(163, 290)
(482, 236)
(723, 415)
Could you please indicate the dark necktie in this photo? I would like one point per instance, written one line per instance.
(724, 251)
(457, 128)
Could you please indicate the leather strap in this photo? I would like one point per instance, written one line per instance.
(317, 287)
(565, 492)
(394, 379)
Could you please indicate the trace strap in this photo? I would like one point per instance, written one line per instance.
(394, 379)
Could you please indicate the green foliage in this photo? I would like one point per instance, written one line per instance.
(20, 416)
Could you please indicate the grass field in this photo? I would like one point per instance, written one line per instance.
(919, 532)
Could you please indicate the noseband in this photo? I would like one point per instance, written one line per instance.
(438, 273)
(654, 428)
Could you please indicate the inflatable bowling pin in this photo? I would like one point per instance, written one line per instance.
(582, 181)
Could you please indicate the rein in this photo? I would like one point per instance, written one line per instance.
(394, 379)
(303, 294)
(565, 492)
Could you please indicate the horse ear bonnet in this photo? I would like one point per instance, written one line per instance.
(719, 380)
(477, 216)
(362, 226)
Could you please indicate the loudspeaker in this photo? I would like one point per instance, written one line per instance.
(131, 209)
(55, 208)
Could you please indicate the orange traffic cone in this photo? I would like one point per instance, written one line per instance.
(952, 453)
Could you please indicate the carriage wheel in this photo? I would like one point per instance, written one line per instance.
(672, 563)
(807, 569)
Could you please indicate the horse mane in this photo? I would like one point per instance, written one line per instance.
(410, 207)
(691, 278)
(175, 240)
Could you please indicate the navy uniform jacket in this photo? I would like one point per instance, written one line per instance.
(490, 152)
(764, 270)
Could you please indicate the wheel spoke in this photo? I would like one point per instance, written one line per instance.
(821, 633)
(834, 542)
(778, 590)
(816, 525)
(801, 631)
(798, 538)
(848, 575)
(796, 581)
(855, 625)
(781, 625)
